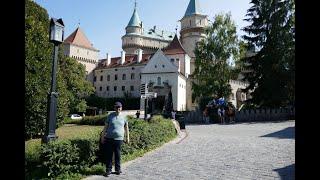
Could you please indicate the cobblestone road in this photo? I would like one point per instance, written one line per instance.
(237, 151)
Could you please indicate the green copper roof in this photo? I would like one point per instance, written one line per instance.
(193, 8)
(135, 20)
(156, 34)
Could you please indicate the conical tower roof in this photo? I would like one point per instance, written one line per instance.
(174, 47)
(135, 20)
(193, 8)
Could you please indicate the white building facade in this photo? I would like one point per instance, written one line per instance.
(158, 59)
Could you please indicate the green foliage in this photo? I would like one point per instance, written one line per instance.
(128, 103)
(60, 157)
(71, 84)
(272, 68)
(75, 157)
(90, 120)
(212, 72)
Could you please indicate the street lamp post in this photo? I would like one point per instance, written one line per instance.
(56, 37)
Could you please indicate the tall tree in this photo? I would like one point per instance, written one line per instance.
(71, 84)
(272, 68)
(212, 72)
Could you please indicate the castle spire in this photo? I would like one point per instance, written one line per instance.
(135, 20)
(193, 8)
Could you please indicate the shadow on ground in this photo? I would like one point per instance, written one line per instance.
(286, 173)
(287, 133)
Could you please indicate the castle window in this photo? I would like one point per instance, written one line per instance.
(115, 77)
(87, 52)
(124, 77)
(116, 69)
(132, 75)
(101, 78)
(159, 80)
(115, 88)
(123, 88)
(131, 88)
(107, 88)
(140, 76)
(172, 60)
(94, 78)
(100, 88)
(132, 68)
(200, 22)
(155, 66)
(77, 50)
(162, 66)
(190, 22)
(108, 77)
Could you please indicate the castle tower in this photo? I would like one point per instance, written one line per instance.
(78, 46)
(192, 31)
(192, 28)
(134, 29)
(137, 38)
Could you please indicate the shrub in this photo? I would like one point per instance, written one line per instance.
(98, 120)
(71, 158)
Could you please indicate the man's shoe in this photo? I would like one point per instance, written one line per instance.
(118, 172)
(106, 174)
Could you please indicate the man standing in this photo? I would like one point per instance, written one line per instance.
(116, 127)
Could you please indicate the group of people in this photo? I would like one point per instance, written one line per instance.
(222, 109)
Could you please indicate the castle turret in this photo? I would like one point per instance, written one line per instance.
(137, 37)
(192, 27)
(192, 31)
(134, 25)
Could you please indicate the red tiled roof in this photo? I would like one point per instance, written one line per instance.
(79, 38)
(129, 61)
(174, 47)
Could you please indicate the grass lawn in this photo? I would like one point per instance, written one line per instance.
(68, 131)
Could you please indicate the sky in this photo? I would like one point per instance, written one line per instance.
(104, 21)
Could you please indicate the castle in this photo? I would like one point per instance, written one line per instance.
(158, 59)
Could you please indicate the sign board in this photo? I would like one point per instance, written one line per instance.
(149, 95)
(143, 89)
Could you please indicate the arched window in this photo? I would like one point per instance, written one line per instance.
(159, 80)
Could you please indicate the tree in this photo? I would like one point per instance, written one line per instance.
(272, 68)
(71, 84)
(212, 72)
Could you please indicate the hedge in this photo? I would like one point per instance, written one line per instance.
(98, 120)
(75, 157)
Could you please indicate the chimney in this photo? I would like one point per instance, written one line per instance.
(139, 55)
(108, 59)
(123, 57)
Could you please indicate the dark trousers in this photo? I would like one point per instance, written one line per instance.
(113, 146)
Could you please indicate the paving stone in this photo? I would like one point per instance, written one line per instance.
(237, 151)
